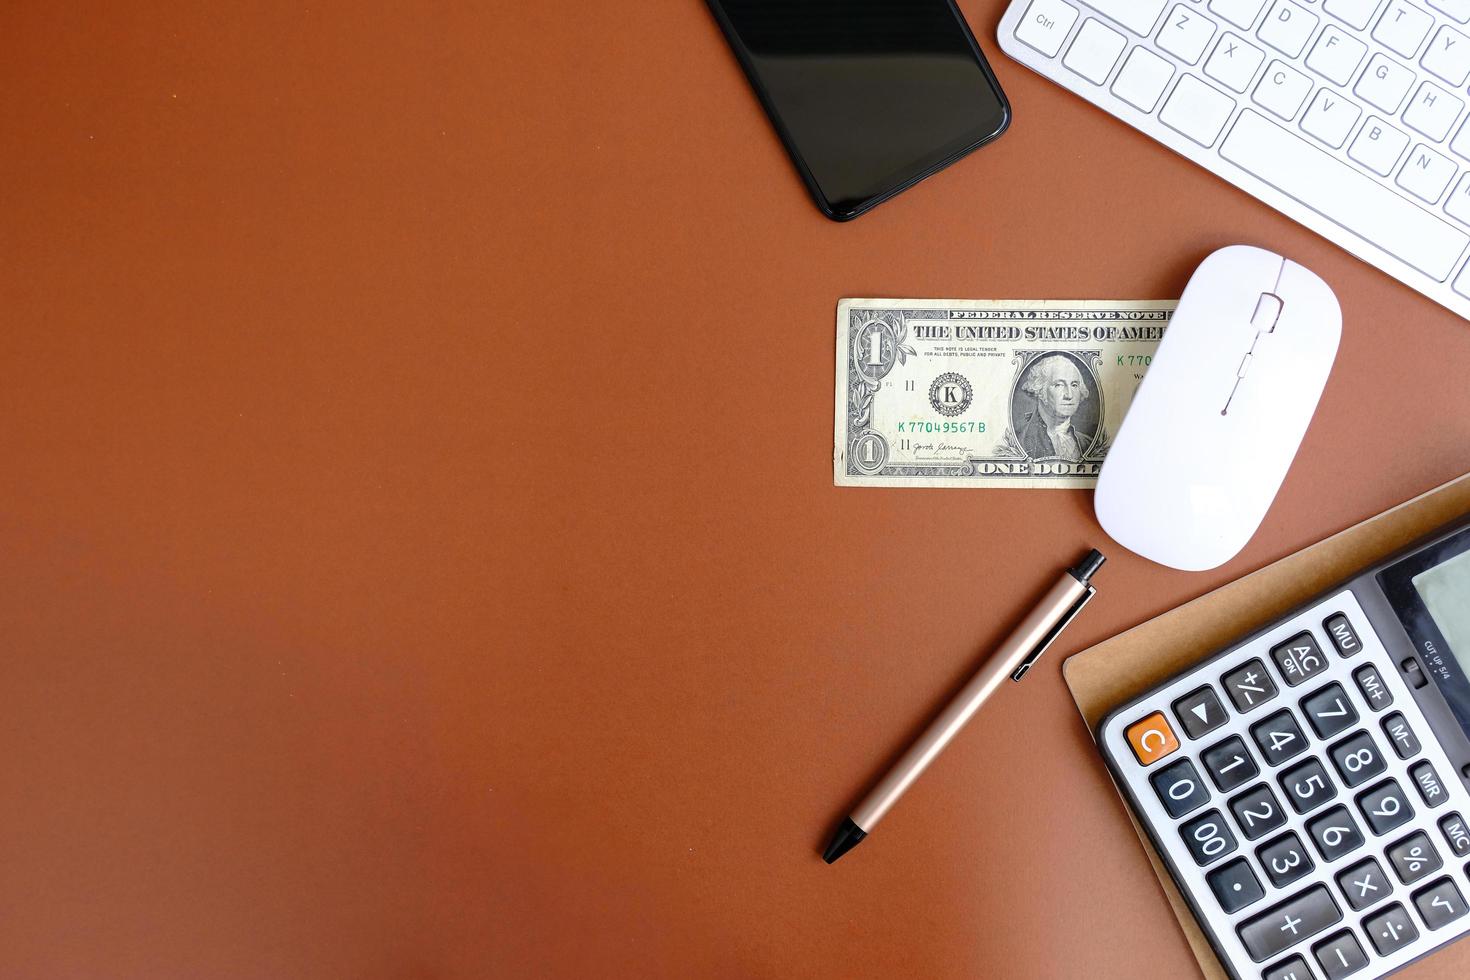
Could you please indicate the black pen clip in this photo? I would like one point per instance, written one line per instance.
(1052, 634)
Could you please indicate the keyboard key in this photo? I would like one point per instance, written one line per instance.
(1307, 786)
(1180, 788)
(1279, 738)
(1456, 834)
(1384, 85)
(1413, 858)
(1426, 174)
(1330, 118)
(1197, 111)
(1340, 955)
(1200, 712)
(1298, 658)
(1378, 146)
(1351, 199)
(1282, 90)
(1364, 884)
(1287, 28)
(1234, 63)
(1336, 55)
(1208, 837)
(1235, 885)
(1249, 685)
(1448, 56)
(1241, 13)
(1458, 203)
(1285, 859)
(1288, 923)
(1095, 51)
(1401, 736)
(1335, 834)
(1229, 764)
(1432, 111)
(1151, 738)
(1458, 9)
(1046, 24)
(1357, 13)
(1385, 807)
(1357, 759)
(1294, 968)
(1402, 28)
(1139, 16)
(1257, 813)
(1186, 34)
(1329, 711)
(1390, 930)
(1142, 79)
(1440, 904)
(1431, 790)
(1375, 692)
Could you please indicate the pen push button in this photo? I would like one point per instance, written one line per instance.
(1151, 738)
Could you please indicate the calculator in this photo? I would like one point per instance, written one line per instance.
(1309, 786)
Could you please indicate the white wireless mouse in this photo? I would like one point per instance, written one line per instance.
(1218, 417)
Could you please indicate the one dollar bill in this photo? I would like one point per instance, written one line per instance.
(986, 393)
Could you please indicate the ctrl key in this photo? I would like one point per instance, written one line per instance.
(1288, 923)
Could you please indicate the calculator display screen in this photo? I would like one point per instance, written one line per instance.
(1430, 592)
(1445, 591)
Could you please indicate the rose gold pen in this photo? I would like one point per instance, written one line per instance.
(1011, 659)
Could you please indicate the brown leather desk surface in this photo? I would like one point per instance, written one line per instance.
(420, 553)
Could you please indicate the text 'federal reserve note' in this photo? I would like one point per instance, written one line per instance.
(986, 393)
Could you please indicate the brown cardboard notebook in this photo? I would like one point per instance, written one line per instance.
(1112, 672)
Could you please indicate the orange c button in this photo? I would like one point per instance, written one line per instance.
(1152, 738)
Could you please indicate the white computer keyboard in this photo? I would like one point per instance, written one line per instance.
(1347, 115)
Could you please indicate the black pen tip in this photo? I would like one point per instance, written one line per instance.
(848, 836)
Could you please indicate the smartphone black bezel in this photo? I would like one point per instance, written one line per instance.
(946, 154)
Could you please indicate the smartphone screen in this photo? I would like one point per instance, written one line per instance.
(869, 96)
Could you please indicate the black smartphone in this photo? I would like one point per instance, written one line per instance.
(869, 96)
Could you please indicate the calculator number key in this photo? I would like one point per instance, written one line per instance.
(1249, 685)
(1256, 812)
(1235, 885)
(1288, 923)
(1298, 658)
(1342, 635)
(1229, 764)
(1375, 692)
(1180, 788)
(1427, 781)
(1279, 737)
(1385, 807)
(1208, 837)
(1401, 736)
(1414, 858)
(1329, 711)
(1456, 834)
(1356, 759)
(1440, 904)
(1390, 930)
(1335, 834)
(1307, 786)
(1285, 859)
(1340, 955)
(1364, 884)
(1151, 738)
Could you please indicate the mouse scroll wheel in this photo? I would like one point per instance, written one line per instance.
(1268, 311)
